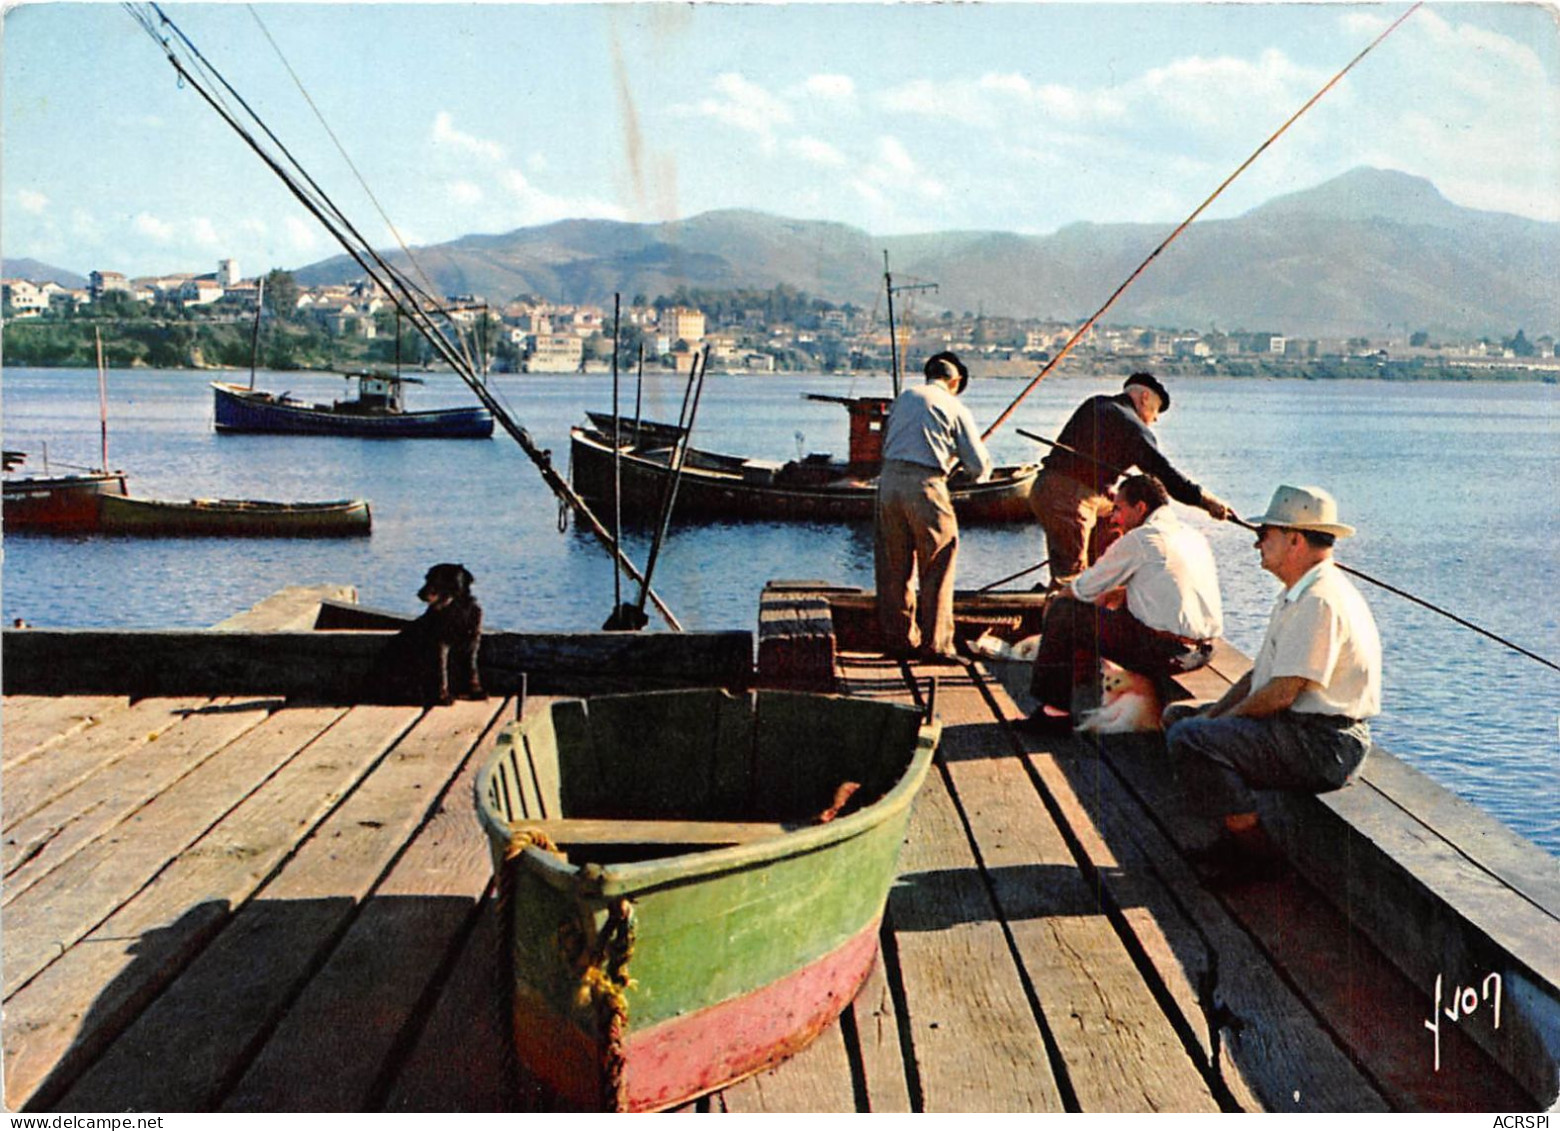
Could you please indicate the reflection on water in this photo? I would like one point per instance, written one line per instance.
(1452, 487)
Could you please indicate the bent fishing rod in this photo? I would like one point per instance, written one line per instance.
(1198, 211)
(1238, 521)
(410, 299)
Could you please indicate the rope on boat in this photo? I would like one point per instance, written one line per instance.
(1198, 211)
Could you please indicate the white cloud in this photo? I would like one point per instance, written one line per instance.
(830, 88)
(445, 134)
(532, 205)
(464, 193)
(301, 237)
(30, 201)
(152, 227)
(892, 153)
(817, 152)
(744, 105)
(204, 233)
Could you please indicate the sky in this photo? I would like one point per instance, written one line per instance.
(892, 118)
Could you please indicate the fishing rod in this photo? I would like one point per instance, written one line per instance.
(1238, 521)
(409, 298)
(1198, 211)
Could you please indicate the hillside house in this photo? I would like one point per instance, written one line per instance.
(25, 298)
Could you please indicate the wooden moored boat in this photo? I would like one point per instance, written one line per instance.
(378, 411)
(62, 504)
(693, 887)
(816, 488)
(235, 518)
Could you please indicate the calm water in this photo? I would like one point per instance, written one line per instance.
(1453, 488)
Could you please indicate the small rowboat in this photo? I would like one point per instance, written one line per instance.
(234, 518)
(693, 880)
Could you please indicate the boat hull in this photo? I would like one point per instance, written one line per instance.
(731, 958)
(247, 410)
(235, 518)
(717, 486)
(65, 504)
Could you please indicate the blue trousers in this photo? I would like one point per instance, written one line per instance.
(1219, 762)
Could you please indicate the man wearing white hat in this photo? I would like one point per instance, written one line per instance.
(1298, 719)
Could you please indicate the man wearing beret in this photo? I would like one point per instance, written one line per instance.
(1298, 720)
(1105, 438)
(916, 545)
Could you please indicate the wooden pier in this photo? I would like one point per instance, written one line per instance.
(256, 903)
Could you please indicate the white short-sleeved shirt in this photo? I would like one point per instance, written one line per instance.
(1322, 630)
(1168, 570)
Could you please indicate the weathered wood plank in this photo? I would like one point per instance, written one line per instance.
(464, 1059)
(238, 986)
(976, 1043)
(293, 609)
(877, 1034)
(46, 919)
(366, 996)
(63, 1018)
(31, 724)
(1121, 1052)
(817, 1079)
(41, 842)
(1269, 1037)
(334, 666)
(32, 784)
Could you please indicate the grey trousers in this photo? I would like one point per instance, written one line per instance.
(1219, 762)
(916, 549)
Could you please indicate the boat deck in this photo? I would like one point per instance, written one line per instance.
(254, 904)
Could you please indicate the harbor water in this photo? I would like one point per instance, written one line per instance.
(1453, 487)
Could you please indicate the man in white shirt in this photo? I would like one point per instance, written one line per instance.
(1298, 719)
(1151, 604)
(916, 544)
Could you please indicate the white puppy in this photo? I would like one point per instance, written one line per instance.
(1130, 704)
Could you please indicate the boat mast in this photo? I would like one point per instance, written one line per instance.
(254, 341)
(102, 399)
(893, 338)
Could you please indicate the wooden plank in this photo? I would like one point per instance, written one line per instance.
(67, 1015)
(876, 1020)
(46, 919)
(1270, 1038)
(32, 784)
(1515, 860)
(238, 986)
(586, 830)
(463, 1059)
(333, 666)
(367, 995)
(1121, 1052)
(293, 609)
(817, 1079)
(975, 1041)
(31, 724)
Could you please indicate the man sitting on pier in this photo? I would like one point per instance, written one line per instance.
(1151, 604)
(1104, 438)
(1297, 719)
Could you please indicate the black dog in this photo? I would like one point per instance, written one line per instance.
(437, 653)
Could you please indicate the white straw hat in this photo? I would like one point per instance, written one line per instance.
(1304, 508)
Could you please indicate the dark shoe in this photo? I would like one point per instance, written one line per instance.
(1043, 725)
(900, 654)
(1230, 863)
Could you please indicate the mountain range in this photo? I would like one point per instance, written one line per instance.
(1369, 252)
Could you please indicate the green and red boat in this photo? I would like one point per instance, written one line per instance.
(693, 880)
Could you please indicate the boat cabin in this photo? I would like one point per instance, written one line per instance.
(378, 393)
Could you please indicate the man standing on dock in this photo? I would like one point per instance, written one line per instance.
(1151, 604)
(1298, 719)
(916, 544)
(1104, 438)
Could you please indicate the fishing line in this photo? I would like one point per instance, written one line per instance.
(407, 296)
(1238, 521)
(1087, 326)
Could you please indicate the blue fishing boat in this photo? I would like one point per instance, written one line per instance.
(377, 411)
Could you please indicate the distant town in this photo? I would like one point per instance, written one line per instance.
(209, 321)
